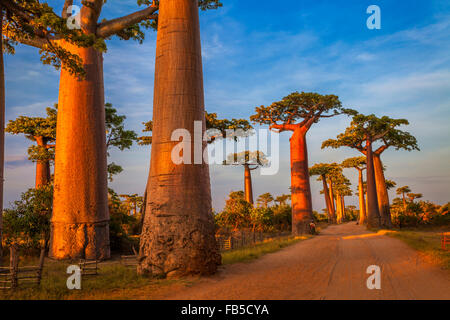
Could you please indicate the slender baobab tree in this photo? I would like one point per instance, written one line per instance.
(361, 135)
(250, 160)
(358, 163)
(403, 191)
(323, 170)
(264, 200)
(297, 112)
(42, 131)
(178, 231)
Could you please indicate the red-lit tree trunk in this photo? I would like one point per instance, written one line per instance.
(362, 201)
(178, 232)
(248, 184)
(333, 206)
(338, 209)
(326, 193)
(42, 166)
(382, 193)
(80, 220)
(300, 185)
(373, 214)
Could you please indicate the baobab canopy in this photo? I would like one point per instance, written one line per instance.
(304, 106)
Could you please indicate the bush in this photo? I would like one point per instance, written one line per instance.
(28, 221)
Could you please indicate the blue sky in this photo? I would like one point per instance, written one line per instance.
(255, 53)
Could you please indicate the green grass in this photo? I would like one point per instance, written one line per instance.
(427, 242)
(250, 253)
(119, 282)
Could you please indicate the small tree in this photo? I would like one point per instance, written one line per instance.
(42, 131)
(236, 213)
(28, 221)
(323, 170)
(283, 199)
(264, 200)
(358, 163)
(250, 160)
(296, 113)
(403, 191)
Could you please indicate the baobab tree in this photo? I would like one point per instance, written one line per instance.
(42, 131)
(296, 113)
(80, 222)
(403, 191)
(414, 196)
(323, 170)
(23, 19)
(283, 199)
(250, 160)
(264, 200)
(361, 135)
(178, 231)
(341, 190)
(358, 163)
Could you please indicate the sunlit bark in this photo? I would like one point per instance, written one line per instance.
(362, 201)
(382, 193)
(300, 185)
(80, 220)
(178, 232)
(373, 214)
(248, 184)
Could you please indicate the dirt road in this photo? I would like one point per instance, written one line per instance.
(330, 266)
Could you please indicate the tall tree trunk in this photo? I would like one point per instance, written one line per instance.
(248, 184)
(80, 220)
(178, 233)
(333, 206)
(2, 132)
(338, 209)
(343, 208)
(42, 167)
(404, 201)
(362, 201)
(373, 214)
(326, 193)
(300, 185)
(382, 193)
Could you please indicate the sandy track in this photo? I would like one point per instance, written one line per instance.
(330, 266)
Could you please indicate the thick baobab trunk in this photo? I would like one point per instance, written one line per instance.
(300, 185)
(404, 201)
(326, 193)
(2, 132)
(373, 214)
(362, 202)
(343, 209)
(178, 233)
(248, 184)
(382, 193)
(80, 220)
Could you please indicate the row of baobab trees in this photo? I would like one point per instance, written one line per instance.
(178, 228)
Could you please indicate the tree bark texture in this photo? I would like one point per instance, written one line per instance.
(300, 184)
(382, 193)
(362, 201)
(248, 184)
(178, 232)
(373, 214)
(80, 220)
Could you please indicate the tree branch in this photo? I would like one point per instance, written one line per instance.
(112, 27)
(283, 127)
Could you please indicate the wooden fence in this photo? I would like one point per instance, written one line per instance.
(241, 239)
(13, 276)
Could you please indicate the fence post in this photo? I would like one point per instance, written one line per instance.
(41, 265)
(13, 265)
